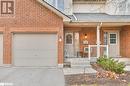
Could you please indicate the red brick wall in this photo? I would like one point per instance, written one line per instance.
(125, 41)
(30, 16)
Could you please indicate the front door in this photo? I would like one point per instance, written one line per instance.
(71, 44)
(112, 40)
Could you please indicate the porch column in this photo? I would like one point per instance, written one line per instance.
(98, 40)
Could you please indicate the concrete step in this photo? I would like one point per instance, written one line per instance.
(71, 71)
(80, 66)
(81, 59)
(93, 59)
(79, 62)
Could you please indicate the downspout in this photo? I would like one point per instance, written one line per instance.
(98, 39)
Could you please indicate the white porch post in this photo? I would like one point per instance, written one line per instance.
(89, 51)
(98, 40)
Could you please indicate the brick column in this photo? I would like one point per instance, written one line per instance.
(61, 47)
(7, 46)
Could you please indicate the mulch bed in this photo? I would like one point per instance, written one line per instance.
(93, 80)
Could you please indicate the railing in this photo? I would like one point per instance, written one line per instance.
(92, 51)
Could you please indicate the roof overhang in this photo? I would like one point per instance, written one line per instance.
(56, 11)
(94, 24)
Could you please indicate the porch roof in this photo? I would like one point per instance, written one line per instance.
(99, 17)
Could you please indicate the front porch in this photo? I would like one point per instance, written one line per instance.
(93, 42)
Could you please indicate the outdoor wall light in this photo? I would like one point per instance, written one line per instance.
(85, 36)
(60, 38)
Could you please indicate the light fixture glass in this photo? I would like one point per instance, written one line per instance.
(85, 36)
(60, 39)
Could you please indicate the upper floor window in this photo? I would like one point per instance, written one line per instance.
(89, 1)
(59, 4)
(7, 7)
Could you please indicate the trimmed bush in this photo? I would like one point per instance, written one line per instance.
(110, 64)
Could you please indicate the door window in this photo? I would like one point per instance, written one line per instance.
(113, 38)
(68, 38)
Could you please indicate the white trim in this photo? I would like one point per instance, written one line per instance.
(110, 38)
(89, 51)
(107, 51)
(98, 41)
(91, 46)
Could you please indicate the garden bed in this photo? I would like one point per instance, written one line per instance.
(95, 80)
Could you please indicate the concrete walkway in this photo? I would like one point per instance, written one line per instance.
(79, 66)
(19, 76)
(71, 71)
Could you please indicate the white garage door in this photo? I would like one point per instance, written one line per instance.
(1, 49)
(35, 49)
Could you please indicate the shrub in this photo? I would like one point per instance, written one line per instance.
(110, 64)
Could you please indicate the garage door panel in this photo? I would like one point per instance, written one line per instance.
(35, 49)
(27, 54)
(35, 46)
(35, 62)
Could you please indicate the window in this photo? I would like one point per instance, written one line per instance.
(90, 1)
(59, 4)
(69, 38)
(113, 38)
(122, 7)
(7, 7)
(51, 2)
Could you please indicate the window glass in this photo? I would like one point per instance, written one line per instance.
(112, 35)
(113, 38)
(51, 2)
(69, 39)
(60, 5)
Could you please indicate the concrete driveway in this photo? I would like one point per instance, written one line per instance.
(21, 76)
